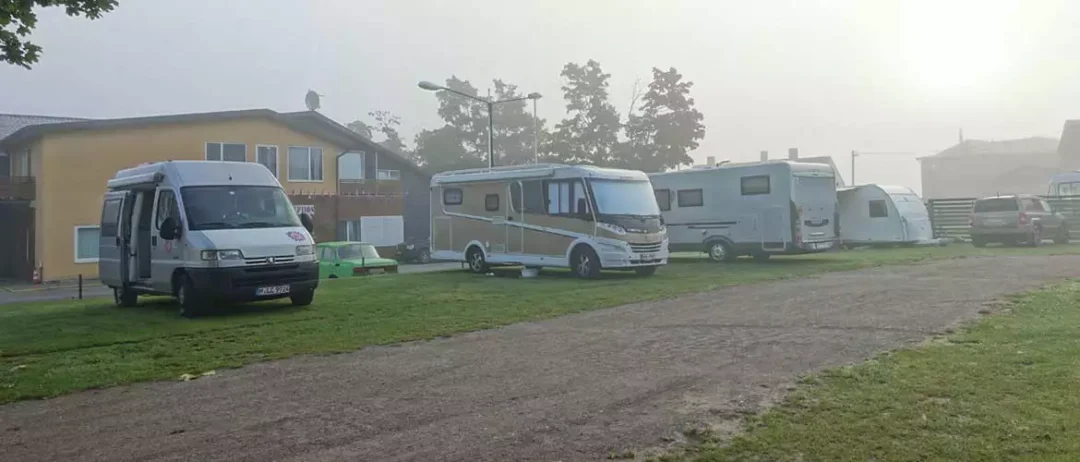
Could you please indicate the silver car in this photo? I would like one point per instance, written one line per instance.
(1014, 219)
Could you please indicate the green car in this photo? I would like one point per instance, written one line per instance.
(344, 259)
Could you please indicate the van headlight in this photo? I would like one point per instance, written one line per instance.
(613, 228)
(217, 255)
(302, 250)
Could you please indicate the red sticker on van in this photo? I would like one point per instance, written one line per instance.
(298, 237)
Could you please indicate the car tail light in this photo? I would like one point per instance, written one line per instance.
(1024, 219)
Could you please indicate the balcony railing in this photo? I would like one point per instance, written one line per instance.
(17, 188)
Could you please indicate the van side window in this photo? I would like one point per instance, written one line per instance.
(690, 198)
(878, 209)
(166, 207)
(533, 200)
(110, 218)
(451, 196)
(754, 185)
(491, 202)
(663, 199)
(566, 197)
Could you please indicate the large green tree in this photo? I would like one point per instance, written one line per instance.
(590, 133)
(17, 19)
(668, 127)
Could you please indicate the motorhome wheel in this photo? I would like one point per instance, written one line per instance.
(720, 251)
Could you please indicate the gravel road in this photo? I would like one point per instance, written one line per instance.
(572, 388)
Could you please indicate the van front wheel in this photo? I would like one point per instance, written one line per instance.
(125, 297)
(190, 304)
(303, 298)
(645, 270)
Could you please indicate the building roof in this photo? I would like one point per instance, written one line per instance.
(11, 123)
(310, 122)
(1032, 145)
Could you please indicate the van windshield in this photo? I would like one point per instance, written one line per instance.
(620, 197)
(231, 207)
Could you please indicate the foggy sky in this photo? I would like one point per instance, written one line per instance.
(825, 76)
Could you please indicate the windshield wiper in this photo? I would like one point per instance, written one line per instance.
(262, 224)
(214, 225)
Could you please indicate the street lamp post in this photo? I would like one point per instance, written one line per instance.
(490, 103)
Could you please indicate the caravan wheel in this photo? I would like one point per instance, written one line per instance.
(719, 251)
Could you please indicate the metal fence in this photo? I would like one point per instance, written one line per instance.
(949, 217)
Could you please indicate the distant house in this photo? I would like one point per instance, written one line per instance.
(975, 168)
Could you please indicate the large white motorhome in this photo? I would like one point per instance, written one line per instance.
(203, 232)
(756, 209)
(578, 216)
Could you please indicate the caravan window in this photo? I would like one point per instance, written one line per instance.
(451, 196)
(566, 197)
(755, 185)
(663, 199)
(533, 200)
(878, 209)
(491, 202)
(690, 198)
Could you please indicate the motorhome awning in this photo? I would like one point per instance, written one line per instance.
(136, 182)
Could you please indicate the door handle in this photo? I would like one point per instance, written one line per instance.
(117, 241)
(153, 241)
(509, 218)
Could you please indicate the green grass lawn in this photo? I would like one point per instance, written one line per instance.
(1004, 389)
(51, 348)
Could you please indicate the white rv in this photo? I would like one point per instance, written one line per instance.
(203, 232)
(874, 214)
(757, 209)
(578, 216)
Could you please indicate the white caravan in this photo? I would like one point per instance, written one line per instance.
(757, 209)
(873, 214)
(202, 232)
(1065, 184)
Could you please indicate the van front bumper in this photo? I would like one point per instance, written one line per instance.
(240, 283)
(623, 259)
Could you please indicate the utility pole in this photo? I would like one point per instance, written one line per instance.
(853, 154)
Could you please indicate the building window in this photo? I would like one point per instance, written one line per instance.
(87, 240)
(663, 199)
(491, 202)
(451, 196)
(267, 156)
(878, 209)
(690, 198)
(389, 175)
(226, 152)
(755, 185)
(305, 164)
(351, 167)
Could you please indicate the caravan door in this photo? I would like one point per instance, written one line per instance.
(115, 238)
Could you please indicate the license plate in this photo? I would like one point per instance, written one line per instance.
(272, 290)
(994, 222)
(647, 256)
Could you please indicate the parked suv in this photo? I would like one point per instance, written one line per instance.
(1013, 219)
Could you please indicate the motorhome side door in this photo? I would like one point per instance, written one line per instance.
(115, 238)
(165, 255)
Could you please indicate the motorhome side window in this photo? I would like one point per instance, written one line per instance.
(451, 196)
(755, 185)
(166, 207)
(663, 199)
(878, 209)
(532, 201)
(491, 202)
(110, 218)
(690, 198)
(566, 197)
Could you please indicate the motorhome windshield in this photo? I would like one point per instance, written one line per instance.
(620, 197)
(231, 207)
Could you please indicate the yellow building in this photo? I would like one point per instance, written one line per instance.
(57, 173)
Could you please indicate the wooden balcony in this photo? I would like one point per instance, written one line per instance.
(19, 188)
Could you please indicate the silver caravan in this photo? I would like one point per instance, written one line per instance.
(757, 209)
(203, 232)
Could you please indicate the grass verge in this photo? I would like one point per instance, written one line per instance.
(51, 348)
(1002, 389)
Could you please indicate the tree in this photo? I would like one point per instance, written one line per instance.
(387, 123)
(441, 149)
(591, 132)
(668, 128)
(360, 127)
(17, 19)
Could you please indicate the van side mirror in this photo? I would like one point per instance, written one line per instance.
(305, 220)
(170, 229)
(583, 208)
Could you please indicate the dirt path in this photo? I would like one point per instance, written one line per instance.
(572, 388)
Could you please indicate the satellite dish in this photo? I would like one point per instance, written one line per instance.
(312, 100)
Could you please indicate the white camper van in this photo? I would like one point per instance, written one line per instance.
(204, 232)
(757, 209)
(578, 216)
(873, 214)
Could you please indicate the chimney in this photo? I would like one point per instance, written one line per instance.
(710, 161)
(764, 156)
(793, 153)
